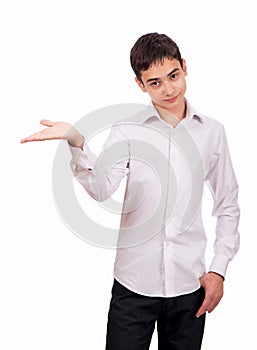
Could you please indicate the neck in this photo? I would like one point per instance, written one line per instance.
(174, 116)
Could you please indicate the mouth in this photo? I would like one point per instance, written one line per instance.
(172, 99)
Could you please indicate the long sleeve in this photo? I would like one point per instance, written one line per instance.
(100, 176)
(223, 185)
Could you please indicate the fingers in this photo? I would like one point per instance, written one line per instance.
(202, 309)
(27, 139)
(213, 286)
(54, 131)
(41, 135)
(208, 305)
(38, 136)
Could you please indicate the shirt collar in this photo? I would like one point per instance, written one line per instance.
(193, 114)
(151, 113)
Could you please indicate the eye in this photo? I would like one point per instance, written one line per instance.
(155, 83)
(174, 76)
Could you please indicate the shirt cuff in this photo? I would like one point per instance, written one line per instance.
(75, 152)
(219, 265)
(82, 159)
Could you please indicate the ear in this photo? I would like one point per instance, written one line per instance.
(184, 67)
(140, 84)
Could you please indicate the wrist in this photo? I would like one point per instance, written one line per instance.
(75, 139)
(218, 274)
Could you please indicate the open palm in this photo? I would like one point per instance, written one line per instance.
(56, 131)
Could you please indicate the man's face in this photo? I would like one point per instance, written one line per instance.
(166, 84)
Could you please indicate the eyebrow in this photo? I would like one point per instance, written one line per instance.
(168, 75)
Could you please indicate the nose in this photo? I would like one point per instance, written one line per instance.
(168, 88)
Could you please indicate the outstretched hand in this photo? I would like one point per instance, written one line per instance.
(213, 286)
(56, 131)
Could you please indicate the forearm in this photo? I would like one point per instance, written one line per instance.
(100, 180)
(227, 242)
(101, 175)
(227, 238)
(224, 188)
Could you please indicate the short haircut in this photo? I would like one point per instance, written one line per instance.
(150, 49)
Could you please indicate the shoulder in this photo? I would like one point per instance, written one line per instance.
(212, 124)
(207, 121)
(133, 118)
(212, 121)
(140, 114)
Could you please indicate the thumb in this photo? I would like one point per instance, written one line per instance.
(46, 122)
(202, 280)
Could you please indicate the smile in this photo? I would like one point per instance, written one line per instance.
(171, 99)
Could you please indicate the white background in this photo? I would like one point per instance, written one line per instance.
(61, 60)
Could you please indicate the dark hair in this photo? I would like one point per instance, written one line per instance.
(150, 49)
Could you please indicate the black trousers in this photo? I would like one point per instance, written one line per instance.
(132, 318)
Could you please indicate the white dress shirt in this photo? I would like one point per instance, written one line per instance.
(161, 245)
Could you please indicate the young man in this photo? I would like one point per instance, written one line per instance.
(159, 274)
